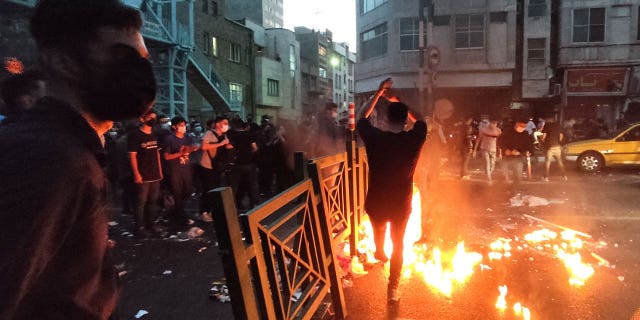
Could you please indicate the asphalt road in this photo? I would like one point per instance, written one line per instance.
(170, 278)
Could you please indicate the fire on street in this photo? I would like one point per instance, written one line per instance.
(486, 257)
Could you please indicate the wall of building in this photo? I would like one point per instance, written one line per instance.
(227, 32)
(462, 73)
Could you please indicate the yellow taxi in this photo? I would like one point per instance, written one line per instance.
(622, 148)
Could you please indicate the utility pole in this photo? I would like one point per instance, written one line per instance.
(421, 80)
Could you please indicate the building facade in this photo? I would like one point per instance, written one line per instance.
(475, 41)
(342, 62)
(317, 77)
(224, 50)
(267, 13)
(599, 59)
(277, 72)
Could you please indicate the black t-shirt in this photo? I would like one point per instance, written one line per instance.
(172, 144)
(513, 140)
(147, 153)
(241, 141)
(392, 161)
(552, 138)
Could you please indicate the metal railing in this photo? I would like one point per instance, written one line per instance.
(280, 258)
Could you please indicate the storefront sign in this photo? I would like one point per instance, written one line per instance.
(597, 81)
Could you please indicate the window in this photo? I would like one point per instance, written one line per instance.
(292, 60)
(205, 6)
(214, 46)
(206, 48)
(468, 4)
(273, 88)
(410, 34)
(537, 8)
(322, 51)
(234, 52)
(214, 8)
(469, 31)
(498, 17)
(535, 51)
(368, 5)
(374, 42)
(322, 72)
(235, 93)
(588, 25)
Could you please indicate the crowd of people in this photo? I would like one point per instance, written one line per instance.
(157, 163)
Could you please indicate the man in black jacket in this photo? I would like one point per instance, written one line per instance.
(54, 261)
(515, 146)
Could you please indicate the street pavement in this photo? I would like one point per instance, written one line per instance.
(170, 278)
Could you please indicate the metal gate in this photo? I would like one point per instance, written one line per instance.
(279, 259)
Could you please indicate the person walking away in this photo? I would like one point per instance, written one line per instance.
(55, 260)
(176, 152)
(488, 134)
(144, 159)
(244, 174)
(515, 145)
(553, 138)
(392, 157)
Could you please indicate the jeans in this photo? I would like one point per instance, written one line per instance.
(245, 177)
(397, 230)
(489, 162)
(210, 179)
(515, 165)
(555, 152)
(147, 195)
(181, 185)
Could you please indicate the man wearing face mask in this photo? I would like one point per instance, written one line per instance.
(54, 257)
(177, 148)
(144, 158)
(514, 146)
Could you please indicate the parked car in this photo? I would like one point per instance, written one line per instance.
(622, 148)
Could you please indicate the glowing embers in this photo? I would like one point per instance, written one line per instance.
(567, 249)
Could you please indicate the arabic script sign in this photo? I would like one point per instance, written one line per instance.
(607, 81)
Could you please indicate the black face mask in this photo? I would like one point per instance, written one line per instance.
(150, 122)
(124, 87)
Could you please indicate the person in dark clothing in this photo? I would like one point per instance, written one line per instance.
(176, 150)
(553, 138)
(466, 135)
(146, 170)
(515, 145)
(330, 140)
(243, 174)
(54, 252)
(265, 139)
(392, 157)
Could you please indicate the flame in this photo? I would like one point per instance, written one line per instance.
(440, 270)
(567, 251)
(501, 304)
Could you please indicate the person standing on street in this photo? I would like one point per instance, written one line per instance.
(553, 138)
(176, 150)
(488, 134)
(392, 157)
(515, 145)
(54, 249)
(144, 158)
